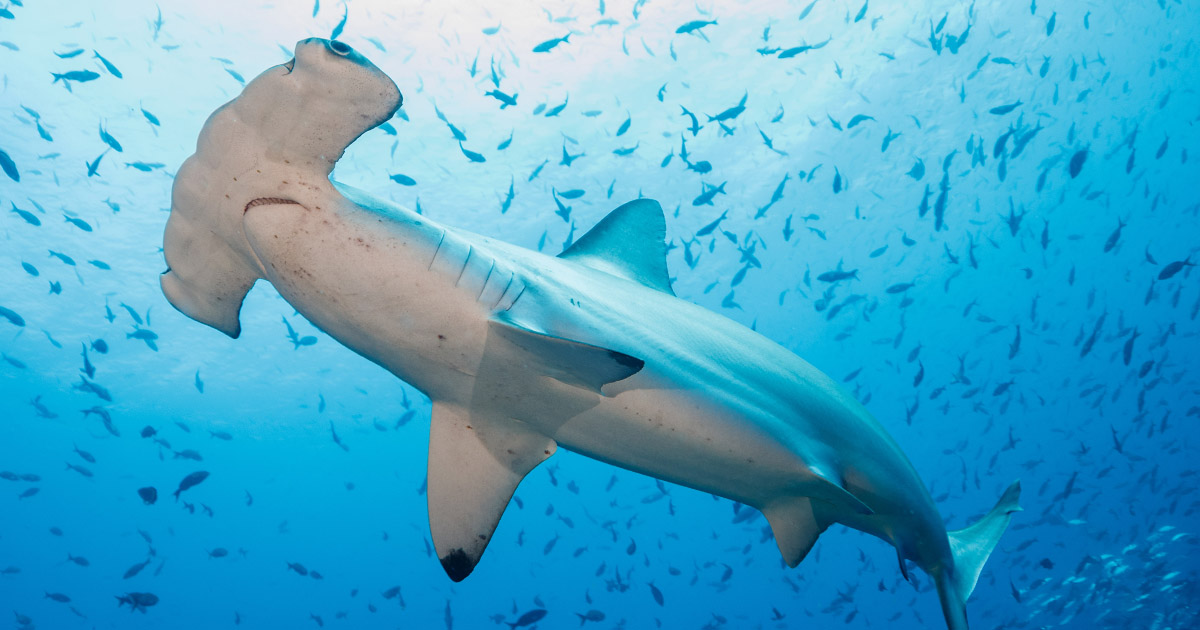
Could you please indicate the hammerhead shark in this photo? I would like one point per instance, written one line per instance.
(522, 352)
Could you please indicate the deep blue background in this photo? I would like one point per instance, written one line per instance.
(1108, 535)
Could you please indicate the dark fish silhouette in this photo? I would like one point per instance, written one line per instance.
(12, 316)
(191, 481)
(1076, 163)
(1001, 110)
(1171, 269)
(148, 494)
(9, 167)
(136, 569)
(550, 44)
(528, 618)
(137, 601)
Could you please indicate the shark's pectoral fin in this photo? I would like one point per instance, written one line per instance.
(796, 527)
(475, 465)
(630, 242)
(572, 362)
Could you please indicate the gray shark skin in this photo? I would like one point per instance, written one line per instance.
(522, 352)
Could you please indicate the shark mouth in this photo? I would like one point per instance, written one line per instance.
(268, 201)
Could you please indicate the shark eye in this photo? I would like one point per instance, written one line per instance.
(339, 48)
(290, 65)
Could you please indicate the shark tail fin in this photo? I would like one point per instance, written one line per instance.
(971, 547)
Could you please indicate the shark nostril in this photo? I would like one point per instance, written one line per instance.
(339, 48)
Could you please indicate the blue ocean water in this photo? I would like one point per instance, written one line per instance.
(1010, 182)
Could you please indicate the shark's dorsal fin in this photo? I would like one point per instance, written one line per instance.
(630, 243)
(475, 465)
(571, 362)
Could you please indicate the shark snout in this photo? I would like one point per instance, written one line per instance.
(336, 62)
(332, 48)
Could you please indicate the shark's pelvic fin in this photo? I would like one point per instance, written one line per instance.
(630, 242)
(475, 465)
(572, 362)
(831, 488)
(795, 526)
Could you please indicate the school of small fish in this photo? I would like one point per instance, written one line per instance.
(980, 216)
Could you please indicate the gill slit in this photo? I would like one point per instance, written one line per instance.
(485, 280)
(511, 277)
(436, 251)
(514, 300)
(466, 261)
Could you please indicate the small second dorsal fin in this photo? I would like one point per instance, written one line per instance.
(630, 243)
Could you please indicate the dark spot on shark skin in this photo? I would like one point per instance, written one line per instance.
(457, 565)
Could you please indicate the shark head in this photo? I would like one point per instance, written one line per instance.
(308, 110)
(276, 143)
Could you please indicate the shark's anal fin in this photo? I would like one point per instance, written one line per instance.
(475, 465)
(630, 242)
(796, 527)
(572, 362)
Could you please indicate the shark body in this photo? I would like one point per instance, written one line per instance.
(520, 352)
